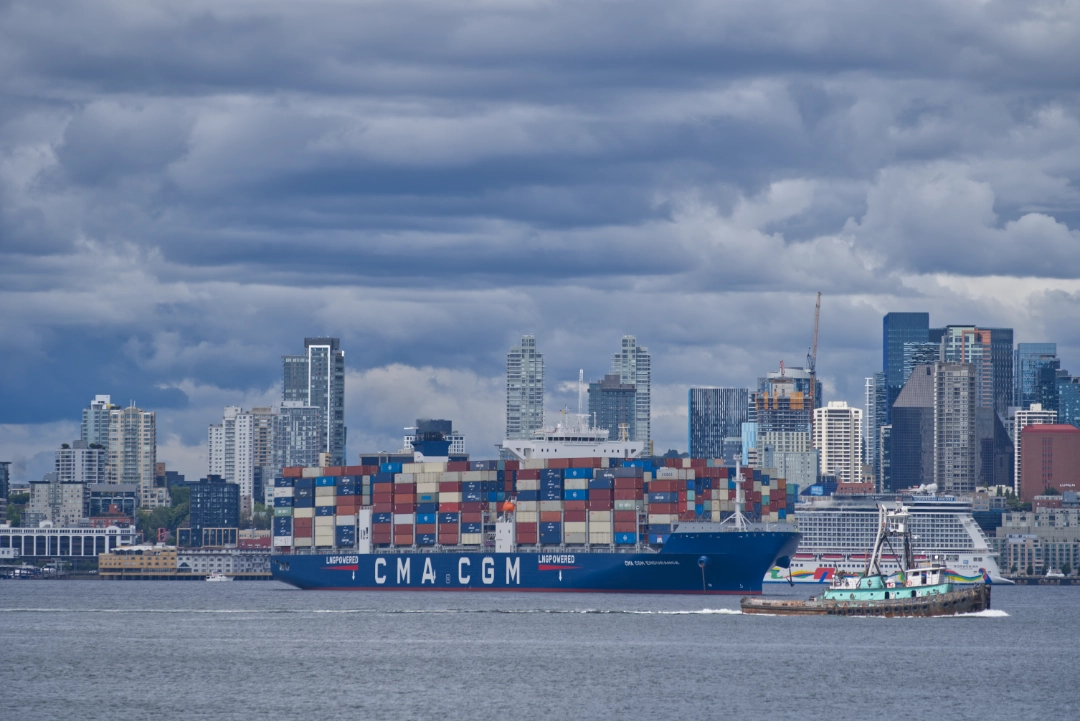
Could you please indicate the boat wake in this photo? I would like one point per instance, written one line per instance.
(988, 613)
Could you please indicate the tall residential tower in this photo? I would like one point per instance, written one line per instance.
(318, 379)
(633, 365)
(524, 390)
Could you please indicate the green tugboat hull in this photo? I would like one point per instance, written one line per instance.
(966, 600)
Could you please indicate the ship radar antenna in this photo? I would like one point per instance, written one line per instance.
(737, 519)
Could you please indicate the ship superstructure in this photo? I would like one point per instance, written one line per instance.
(837, 530)
(574, 436)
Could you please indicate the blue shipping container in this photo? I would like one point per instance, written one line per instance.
(324, 481)
(282, 525)
(427, 508)
(382, 517)
(304, 483)
(551, 474)
(346, 535)
(283, 482)
(427, 498)
(472, 497)
(283, 502)
(576, 495)
(449, 517)
(578, 473)
(663, 498)
(528, 495)
(390, 468)
(470, 528)
(425, 517)
(660, 528)
(324, 510)
(304, 502)
(623, 539)
(551, 494)
(425, 539)
(472, 487)
(601, 483)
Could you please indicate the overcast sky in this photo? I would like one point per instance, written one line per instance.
(188, 189)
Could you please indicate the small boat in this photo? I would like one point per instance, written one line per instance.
(1054, 573)
(917, 590)
(218, 576)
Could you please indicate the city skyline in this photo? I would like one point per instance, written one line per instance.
(168, 241)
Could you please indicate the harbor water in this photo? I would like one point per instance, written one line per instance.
(139, 650)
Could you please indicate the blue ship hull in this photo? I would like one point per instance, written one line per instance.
(704, 563)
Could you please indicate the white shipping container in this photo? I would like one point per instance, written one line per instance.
(527, 506)
(526, 516)
(346, 520)
(576, 484)
(472, 476)
(599, 516)
(324, 521)
(301, 541)
(626, 505)
(404, 518)
(691, 474)
(282, 540)
(664, 474)
(325, 491)
(450, 497)
(284, 492)
(534, 464)
(471, 539)
(647, 476)
(325, 500)
(303, 512)
(404, 478)
(575, 527)
(663, 518)
(412, 467)
(575, 538)
(601, 538)
(427, 486)
(528, 484)
(434, 466)
(313, 472)
(450, 477)
(551, 505)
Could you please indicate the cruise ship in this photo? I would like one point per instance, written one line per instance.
(837, 530)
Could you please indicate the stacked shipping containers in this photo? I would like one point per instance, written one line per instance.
(557, 502)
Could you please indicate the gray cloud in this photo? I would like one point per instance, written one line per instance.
(186, 191)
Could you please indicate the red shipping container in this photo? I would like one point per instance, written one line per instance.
(584, 462)
(673, 462)
(404, 498)
(292, 472)
(527, 528)
(333, 470)
(403, 528)
(425, 528)
(449, 486)
(382, 487)
(511, 465)
(382, 497)
(575, 516)
(457, 466)
(382, 507)
(449, 507)
(679, 485)
(471, 517)
(304, 523)
(625, 527)
(697, 462)
(472, 507)
(528, 474)
(558, 463)
(403, 540)
(550, 516)
(662, 486)
(404, 508)
(682, 497)
(400, 488)
(663, 507)
(370, 470)
(628, 494)
(605, 505)
(600, 494)
(382, 527)
(354, 470)
(621, 483)
(630, 516)
(573, 505)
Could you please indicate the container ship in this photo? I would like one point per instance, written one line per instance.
(608, 522)
(837, 530)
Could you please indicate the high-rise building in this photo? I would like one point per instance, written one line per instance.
(838, 433)
(1033, 415)
(318, 379)
(1029, 358)
(1068, 389)
(524, 390)
(613, 406)
(955, 471)
(297, 439)
(633, 365)
(78, 462)
(782, 402)
(990, 350)
(133, 454)
(801, 468)
(920, 354)
(898, 329)
(5, 479)
(877, 396)
(884, 481)
(1051, 459)
(912, 432)
(231, 453)
(214, 503)
(95, 421)
(62, 503)
(715, 422)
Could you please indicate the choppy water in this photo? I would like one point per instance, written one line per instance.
(146, 650)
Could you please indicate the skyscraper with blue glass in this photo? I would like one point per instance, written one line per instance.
(1030, 357)
(898, 329)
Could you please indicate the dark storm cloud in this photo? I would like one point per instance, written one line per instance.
(189, 189)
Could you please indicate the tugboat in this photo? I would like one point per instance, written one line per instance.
(914, 591)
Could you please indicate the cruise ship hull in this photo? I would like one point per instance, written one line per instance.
(715, 563)
(963, 573)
